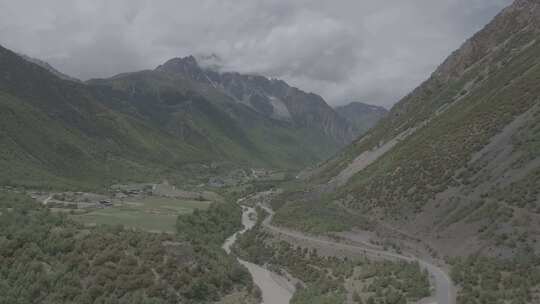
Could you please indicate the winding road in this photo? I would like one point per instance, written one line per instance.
(46, 201)
(445, 290)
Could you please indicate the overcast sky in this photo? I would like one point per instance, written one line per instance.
(366, 50)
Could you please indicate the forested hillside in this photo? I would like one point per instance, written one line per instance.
(453, 170)
(46, 258)
(62, 134)
(361, 116)
(455, 162)
(245, 117)
(146, 125)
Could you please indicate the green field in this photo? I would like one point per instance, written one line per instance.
(156, 214)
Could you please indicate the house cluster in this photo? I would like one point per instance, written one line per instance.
(105, 204)
(123, 191)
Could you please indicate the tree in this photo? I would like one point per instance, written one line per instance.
(356, 297)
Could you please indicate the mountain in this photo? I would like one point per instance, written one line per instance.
(272, 98)
(58, 133)
(456, 163)
(143, 125)
(361, 116)
(49, 68)
(242, 116)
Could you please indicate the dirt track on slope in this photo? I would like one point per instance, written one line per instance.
(445, 290)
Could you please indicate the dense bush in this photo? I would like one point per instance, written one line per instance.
(491, 280)
(212, 226)
(46, 258)
(325, 277)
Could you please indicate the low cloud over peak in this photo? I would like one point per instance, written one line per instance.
(373, 51)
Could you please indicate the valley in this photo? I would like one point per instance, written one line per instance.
(275, 289)
(149, 207)
(209, 180)
(443, 288)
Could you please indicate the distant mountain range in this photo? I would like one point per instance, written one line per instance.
(245, 117)
(456, 162)
(57, 130)
(361, 116)
(49, 68)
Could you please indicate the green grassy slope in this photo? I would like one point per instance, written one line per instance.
(443, 180)
(38, 150)
(428, 159)
(483, 56)
(206, 116)
(137, 126)
(60, 133)
(47, 258)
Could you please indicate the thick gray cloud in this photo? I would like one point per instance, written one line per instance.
(372, 51)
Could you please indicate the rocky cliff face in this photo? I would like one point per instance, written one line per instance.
(134, 125)
(247, 118)
(504, 39)
(457, 161)
(523, 16)
(362, 116)
(272, 98)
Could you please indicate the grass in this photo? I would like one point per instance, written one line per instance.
(63, 135)
(401, 182)
(155, 214)
(328, 279)
(47, 258)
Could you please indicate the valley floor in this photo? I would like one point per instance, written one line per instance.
(275, 289)
(445, 290)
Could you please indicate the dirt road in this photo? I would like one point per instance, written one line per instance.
(46, 201)
(445, 290)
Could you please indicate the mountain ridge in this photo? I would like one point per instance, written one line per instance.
(361, 115)
(136, 123)
(273, 98)
(49, 67)
(428, 168)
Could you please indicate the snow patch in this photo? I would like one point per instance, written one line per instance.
(280, 109)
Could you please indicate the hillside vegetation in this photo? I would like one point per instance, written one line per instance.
(330, 279)
(148, 125)
(361, 116)
(465, 164)
(46, 258)
(58, 133)
(454, 166)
